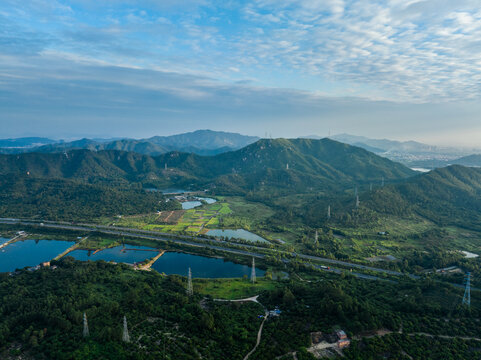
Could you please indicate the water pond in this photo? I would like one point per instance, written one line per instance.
(196, 203)
(30, 253)
(202, 267)
(237, 234)
(128, 254)
(187, 205)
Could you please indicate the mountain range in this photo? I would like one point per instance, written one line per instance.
(202, 142)
(294, 164)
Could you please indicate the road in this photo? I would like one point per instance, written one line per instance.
(201, 242)
(118, 230)
(259, 336)
(137, 234)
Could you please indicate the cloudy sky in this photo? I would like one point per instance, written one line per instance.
(403, 69)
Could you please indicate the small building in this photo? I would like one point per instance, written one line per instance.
(275, 312)
(343, 343)
(341, 335)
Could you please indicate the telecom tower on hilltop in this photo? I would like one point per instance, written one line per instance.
(86, 326)
(253, 271)
(190, 288)
(125, 335)
(467, 292)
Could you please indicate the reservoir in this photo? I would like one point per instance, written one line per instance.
(186, 205)
(34, 252)
(118, 254)
(202, 267)
(237, 234)
(30, 253)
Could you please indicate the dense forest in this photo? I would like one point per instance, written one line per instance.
(59, 199)
(42, 311)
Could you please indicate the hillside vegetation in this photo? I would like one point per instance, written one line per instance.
(294, 165)
(450, 195)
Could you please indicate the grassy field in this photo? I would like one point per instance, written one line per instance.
(194, 221)
(231, 289)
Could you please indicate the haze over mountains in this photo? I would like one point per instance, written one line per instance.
(202, 142)
(207, 142)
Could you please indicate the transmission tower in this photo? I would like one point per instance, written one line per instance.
(382, 181)
(355, 191)
(329, 211)
(370, 187)
(467, 291)
(253, 271)
(86, 326)
(125, 335)
(316, 237)
(190, 288)
(357, 201)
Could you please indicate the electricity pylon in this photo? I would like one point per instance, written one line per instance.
(467, 291)
(190, 288)
(86, 326)
(253, 271)
(125, 335)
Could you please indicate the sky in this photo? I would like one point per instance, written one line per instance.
(399, 69)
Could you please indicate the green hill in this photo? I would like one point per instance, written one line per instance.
(450, 195)
(61, 199)
(299, 165)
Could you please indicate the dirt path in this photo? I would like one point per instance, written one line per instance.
(252, 298)
(445, 336)
(259, 336)
(14, 239)
(168, 216)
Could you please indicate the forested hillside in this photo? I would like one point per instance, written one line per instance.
(295, 165)
(60, 199)
(450, 195)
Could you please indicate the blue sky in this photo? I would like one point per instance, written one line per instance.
(403, 69)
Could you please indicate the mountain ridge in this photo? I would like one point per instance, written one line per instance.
(296, 164)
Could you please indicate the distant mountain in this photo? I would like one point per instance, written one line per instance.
(297, 165)
(410, 153)
(204, 139)
(26, 142)
(470, 160)
(385, 145)
(201, 142)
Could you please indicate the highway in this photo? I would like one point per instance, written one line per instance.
(200, 242)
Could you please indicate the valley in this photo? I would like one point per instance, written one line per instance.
(315, 215)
